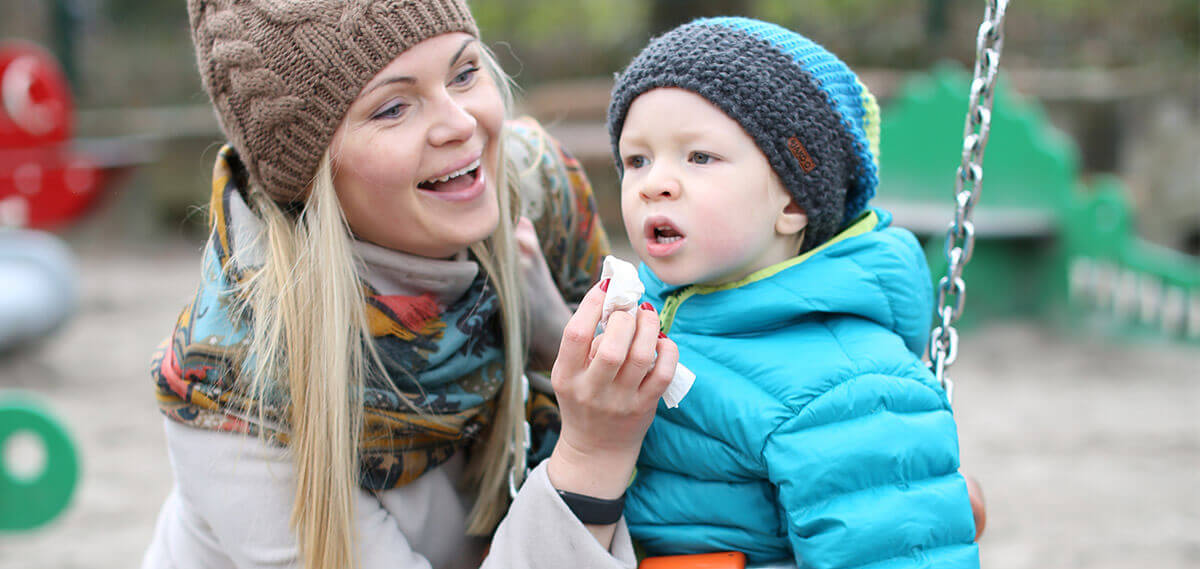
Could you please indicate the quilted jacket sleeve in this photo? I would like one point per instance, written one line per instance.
(867, 475)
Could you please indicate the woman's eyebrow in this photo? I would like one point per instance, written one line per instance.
(390, 81)
(461, 48)
(410, 80)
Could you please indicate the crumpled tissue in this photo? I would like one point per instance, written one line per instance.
(624, 292)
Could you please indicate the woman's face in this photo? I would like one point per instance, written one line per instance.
(416, 158)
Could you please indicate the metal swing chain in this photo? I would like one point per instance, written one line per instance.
(968, 183)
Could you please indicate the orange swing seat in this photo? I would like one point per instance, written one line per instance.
(724, 560)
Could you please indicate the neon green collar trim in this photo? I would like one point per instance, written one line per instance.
(865, 224)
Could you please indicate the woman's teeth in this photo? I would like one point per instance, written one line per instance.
(454, 174)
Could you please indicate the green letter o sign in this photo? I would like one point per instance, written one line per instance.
(30, 498)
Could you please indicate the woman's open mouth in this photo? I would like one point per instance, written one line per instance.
(462, 184)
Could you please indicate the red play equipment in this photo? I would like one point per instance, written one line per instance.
(46, 180)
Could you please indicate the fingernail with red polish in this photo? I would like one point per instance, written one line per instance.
(661, 334)
(604, 285)
(647, 306)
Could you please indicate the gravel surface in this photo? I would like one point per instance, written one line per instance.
(1088, 451)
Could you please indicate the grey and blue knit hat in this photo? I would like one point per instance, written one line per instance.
(817, 124)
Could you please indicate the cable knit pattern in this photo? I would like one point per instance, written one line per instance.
(804, 108)
(282, 73)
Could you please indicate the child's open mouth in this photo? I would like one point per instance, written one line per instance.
(666, 234)
(461, 184)
(662, 237)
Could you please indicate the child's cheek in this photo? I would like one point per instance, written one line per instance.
(723, 242)
(629, 212)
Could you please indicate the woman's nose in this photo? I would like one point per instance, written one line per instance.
(453, 122)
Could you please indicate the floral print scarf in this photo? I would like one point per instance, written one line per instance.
(442, 361)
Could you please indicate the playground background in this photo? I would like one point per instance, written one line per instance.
(1088, 446)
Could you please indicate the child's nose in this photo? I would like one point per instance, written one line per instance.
(661, 185)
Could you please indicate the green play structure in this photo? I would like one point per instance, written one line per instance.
(33, 494)
(1049, 244)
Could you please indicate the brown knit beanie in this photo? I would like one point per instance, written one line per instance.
(282, 73)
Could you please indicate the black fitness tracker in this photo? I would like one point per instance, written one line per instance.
(594, 511)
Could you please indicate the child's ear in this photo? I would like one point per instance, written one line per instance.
(792, 220)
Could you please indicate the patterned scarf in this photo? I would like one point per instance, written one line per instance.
(443, 365)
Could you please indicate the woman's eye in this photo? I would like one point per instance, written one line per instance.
(394, 110)
(701, 158)
(465, 76)
(635, 161)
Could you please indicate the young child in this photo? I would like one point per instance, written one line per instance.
(813, 431)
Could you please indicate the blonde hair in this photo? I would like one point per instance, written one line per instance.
(310, 332)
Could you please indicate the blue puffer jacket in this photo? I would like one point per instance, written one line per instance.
(813, 430)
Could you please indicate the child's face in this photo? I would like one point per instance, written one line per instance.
(700, 202)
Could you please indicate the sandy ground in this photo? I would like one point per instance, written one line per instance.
(1089, 452)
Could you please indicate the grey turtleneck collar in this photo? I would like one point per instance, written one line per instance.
(392, 272)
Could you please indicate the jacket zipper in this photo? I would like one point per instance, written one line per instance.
(671, 305)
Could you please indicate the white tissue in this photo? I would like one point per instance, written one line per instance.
(624, 292)
(624, 288)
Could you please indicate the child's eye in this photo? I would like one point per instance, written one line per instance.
(391, 111)
(701, 158)
(465, 76)
(635, 161)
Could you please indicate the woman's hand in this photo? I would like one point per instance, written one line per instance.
(608, 388)
(978, 507)
(548, 312)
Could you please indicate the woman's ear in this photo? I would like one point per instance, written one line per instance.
(792, 220)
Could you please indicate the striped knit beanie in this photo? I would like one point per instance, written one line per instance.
(282, 73)
(817, 124)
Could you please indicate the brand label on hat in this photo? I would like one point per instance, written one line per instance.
(806, 162)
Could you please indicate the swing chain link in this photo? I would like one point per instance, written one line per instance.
(968, 184)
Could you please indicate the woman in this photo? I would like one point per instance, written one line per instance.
(354, 354)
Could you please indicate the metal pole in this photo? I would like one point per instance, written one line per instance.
(65, 19)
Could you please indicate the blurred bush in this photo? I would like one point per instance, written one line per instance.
(136, 53)
(1039, 33)
(597, 37)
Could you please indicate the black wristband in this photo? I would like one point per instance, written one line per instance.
(594, 511)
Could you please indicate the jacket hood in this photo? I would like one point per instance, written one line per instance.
(870, 270)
